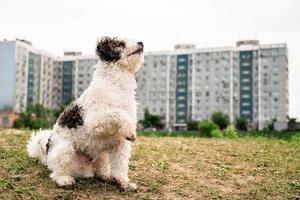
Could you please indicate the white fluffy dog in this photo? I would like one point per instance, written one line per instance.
(93, 136)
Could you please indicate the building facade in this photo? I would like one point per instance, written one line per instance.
(249, 80)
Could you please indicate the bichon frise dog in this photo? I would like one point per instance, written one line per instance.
(93, 136)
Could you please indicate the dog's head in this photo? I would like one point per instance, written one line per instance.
(123, 53)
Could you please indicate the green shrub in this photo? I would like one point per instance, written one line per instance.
(34, 117)
(151, 121)
(271, 124)
(221, 119)
(230, 132)
(295, 137)
(217, 133)
(192, 125)
(206, 127)
(241, 123)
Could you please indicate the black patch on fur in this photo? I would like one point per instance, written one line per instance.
(109, 49)
(71, 117)
(48, 145)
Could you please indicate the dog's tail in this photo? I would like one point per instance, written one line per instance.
(38, 144)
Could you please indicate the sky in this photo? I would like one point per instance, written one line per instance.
(59, 25)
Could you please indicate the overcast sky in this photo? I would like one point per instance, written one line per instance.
(58, 25)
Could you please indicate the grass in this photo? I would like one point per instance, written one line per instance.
(290, 136)
(168, 168)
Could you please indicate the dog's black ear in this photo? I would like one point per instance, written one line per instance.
(107, 49)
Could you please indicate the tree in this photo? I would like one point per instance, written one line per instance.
(221, 119)
(241, 123)
(271, 125)
(151, 120)
(291, 123)
(192, 125)
(34, 117)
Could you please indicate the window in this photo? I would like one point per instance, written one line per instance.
(181, 75)
(245, 88)
(181, 67)
(245, 80)
(226, 85)
(181, 105)
(265, 67)
(181, 83)
(245, 56)
(181, 113)
(245, 64)
(181, 90)
(246, 112)
(245, 104)
(245, 96)
(181, 60)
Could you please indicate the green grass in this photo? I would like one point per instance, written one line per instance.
(169, 168)
(291, 136)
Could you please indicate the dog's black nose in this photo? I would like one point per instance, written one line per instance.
(140, 44)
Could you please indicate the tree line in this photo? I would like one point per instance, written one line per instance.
(37, 116)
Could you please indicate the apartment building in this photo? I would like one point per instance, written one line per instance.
(31, 76)
(23, 73)
(249, 80)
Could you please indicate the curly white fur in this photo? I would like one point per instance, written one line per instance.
(98, 147)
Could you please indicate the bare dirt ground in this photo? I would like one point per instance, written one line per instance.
(167, 168)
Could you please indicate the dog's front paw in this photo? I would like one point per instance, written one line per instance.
(129, 133)
(128, 187)
(103, 178)
(65, 182)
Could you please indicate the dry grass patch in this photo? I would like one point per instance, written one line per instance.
(167, 168)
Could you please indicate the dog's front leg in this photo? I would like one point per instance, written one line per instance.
(102, 166)
(127, 129)
(119, 159)
(126, 126)
(113, 123)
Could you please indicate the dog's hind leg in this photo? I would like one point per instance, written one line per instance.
(119, 159)
(60, 160)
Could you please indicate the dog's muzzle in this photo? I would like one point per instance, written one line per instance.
(140, 49)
